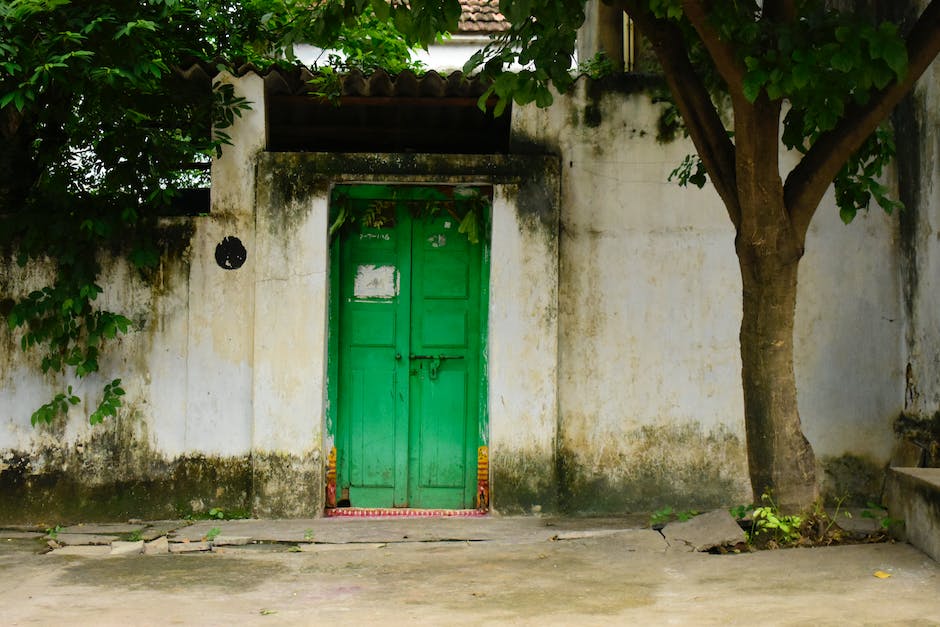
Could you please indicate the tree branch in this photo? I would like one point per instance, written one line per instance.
(721, 52)
(698, 112)
(809, 180)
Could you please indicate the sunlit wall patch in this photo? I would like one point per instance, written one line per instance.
(375, 282)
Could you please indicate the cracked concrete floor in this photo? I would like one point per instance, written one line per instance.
(523, 571)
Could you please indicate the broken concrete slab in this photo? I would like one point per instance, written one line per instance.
(115, 529)
(158, 528)
(9, 534)
(704, 532)
(329, 548)
(637, 539)
(157, 546)
(85, 550)
(81, 539)
(189, 547)
(127, 548)
(223, 540)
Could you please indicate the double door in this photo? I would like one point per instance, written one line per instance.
(410, 316)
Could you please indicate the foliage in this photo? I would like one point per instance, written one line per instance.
(879, 512)
(101, 133)
(668, 514)
(771, 525)
(212, 534)
(597, 66)
(469, 208)
(367, 44)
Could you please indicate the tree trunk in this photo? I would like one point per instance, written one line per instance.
(780, 459)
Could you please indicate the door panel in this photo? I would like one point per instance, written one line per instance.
(409, 357)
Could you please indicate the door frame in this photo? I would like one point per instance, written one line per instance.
(335, 493)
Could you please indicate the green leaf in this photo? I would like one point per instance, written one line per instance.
(753, 82)
(847, 214)
(895, 55)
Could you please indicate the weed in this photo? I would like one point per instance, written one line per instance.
(661, 516)
(773, 527)
(53, 532)
(308, 535)
(135, 536)
(217, 513)
(880, 513)
(668, 514)
(212, 534)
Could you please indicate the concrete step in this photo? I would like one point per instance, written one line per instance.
(913, 494)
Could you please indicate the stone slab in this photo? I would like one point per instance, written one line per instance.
(78, 539)
(105, 528)
(8, 534)
(157, 546)
(189, 547)
(127, 548)
(330, 548)
(85, 550)
(158, 528)
(704, 532)
(638, 539)
(223, 540)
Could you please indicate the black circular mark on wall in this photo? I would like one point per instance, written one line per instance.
(230, 254)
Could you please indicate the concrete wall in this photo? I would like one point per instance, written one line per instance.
(613, 363)
(651, 408)
(918, 124)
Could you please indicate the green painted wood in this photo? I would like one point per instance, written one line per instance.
(407, 429)
(445, 322)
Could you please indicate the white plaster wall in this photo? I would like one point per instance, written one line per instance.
(290, 325)
(650, 305)
(849, 333)
(922, 265)
(523, 333)
(650, 292)
(221, 302)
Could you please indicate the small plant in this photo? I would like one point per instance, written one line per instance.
(739, 512)
(597, 66)
(308, 535)
(212, 534)
(668, 514)
(217, 512)
(880, 513)
(771, 525)
(135, 536)
(661, 516)
(53, 532)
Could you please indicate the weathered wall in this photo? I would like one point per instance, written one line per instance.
(917, 121)
(613, 364)
(651, 409)
(182, 442)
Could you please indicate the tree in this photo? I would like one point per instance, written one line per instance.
(102, 130)
(96, 130)
(830, 77)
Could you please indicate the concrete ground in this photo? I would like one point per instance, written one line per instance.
(519, 571)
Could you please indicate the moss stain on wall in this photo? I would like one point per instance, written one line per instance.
(679, 465)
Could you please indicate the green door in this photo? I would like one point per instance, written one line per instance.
(409, 341)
